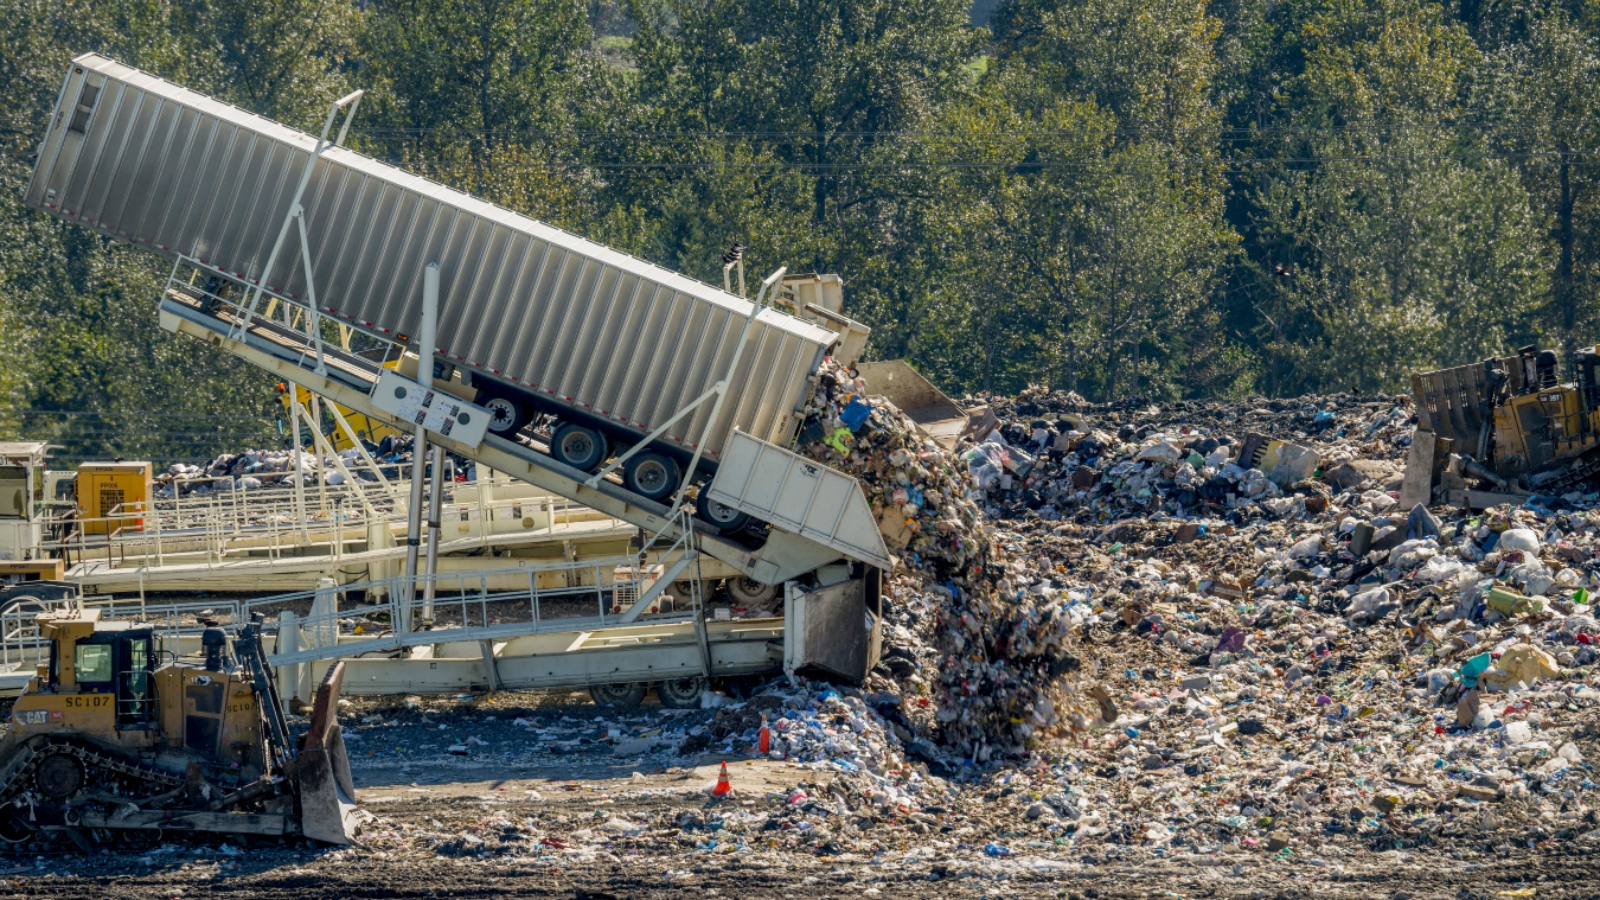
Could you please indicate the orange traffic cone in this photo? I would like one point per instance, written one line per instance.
(723, 787)
(764, 744)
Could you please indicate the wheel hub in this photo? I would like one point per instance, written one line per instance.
(577, 445)
(59, 776)
(501, 412)
(682, 693)
(722, 514)
(652, 475)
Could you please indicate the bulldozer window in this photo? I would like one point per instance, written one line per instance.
(93, 663)
(133, 705)
(139, 654)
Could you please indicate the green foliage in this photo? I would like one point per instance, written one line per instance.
(1152, 198)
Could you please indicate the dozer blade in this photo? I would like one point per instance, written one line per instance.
(327, 795)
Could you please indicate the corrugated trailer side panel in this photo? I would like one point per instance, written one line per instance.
(569, 320)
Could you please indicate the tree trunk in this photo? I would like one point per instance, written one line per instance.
(1565, 295)
(819, 187)
(1133, 391)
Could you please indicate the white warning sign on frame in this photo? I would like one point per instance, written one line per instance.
(441, 413)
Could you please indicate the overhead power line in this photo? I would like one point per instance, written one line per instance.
(801, 167)
(1244, 131)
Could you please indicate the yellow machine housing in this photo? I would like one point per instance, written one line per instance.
(116, 737)
(1516, 418)
(105, 682)
(120, 489)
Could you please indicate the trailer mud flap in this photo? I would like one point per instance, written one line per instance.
(834, 632)
(327, 794)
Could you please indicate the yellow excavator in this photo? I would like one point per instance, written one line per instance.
(1514, 421)
(116, 743)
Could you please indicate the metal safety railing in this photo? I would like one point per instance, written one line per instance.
(466, 606)
(213, 535)
(300, 334)
(147, 531)
(23, 646)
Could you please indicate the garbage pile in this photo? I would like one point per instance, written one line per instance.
(250, 470)
(1003, 650)
(1205, 633)
(1055, 456)
(1279, 653)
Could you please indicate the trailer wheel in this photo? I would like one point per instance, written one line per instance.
(750, 592)
(506, 418)
(725, 519)
(684, 693)
(627, 694)
(652, 475)
(580, 447)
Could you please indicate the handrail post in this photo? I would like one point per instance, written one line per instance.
(426, 339)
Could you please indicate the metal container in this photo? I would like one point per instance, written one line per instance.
(801, 496)
(531, 311)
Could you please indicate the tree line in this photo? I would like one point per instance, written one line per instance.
(1149, 199)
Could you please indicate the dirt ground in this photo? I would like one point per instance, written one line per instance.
(438, 817)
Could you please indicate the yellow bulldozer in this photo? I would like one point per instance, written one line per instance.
(116, 743)
(1515, 421)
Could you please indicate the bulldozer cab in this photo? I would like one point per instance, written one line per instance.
(113, 660)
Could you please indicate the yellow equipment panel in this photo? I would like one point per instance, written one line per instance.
(105, 486)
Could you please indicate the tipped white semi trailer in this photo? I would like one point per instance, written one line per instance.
(320, 265)
(620, 354)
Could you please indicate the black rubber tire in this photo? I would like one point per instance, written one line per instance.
(722, 518)
(651, 475)
(682, 693)
(619, 696)
(506, 417)
(578, 446)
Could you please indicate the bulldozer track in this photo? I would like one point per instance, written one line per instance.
(1584, 467)
(16, 786)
